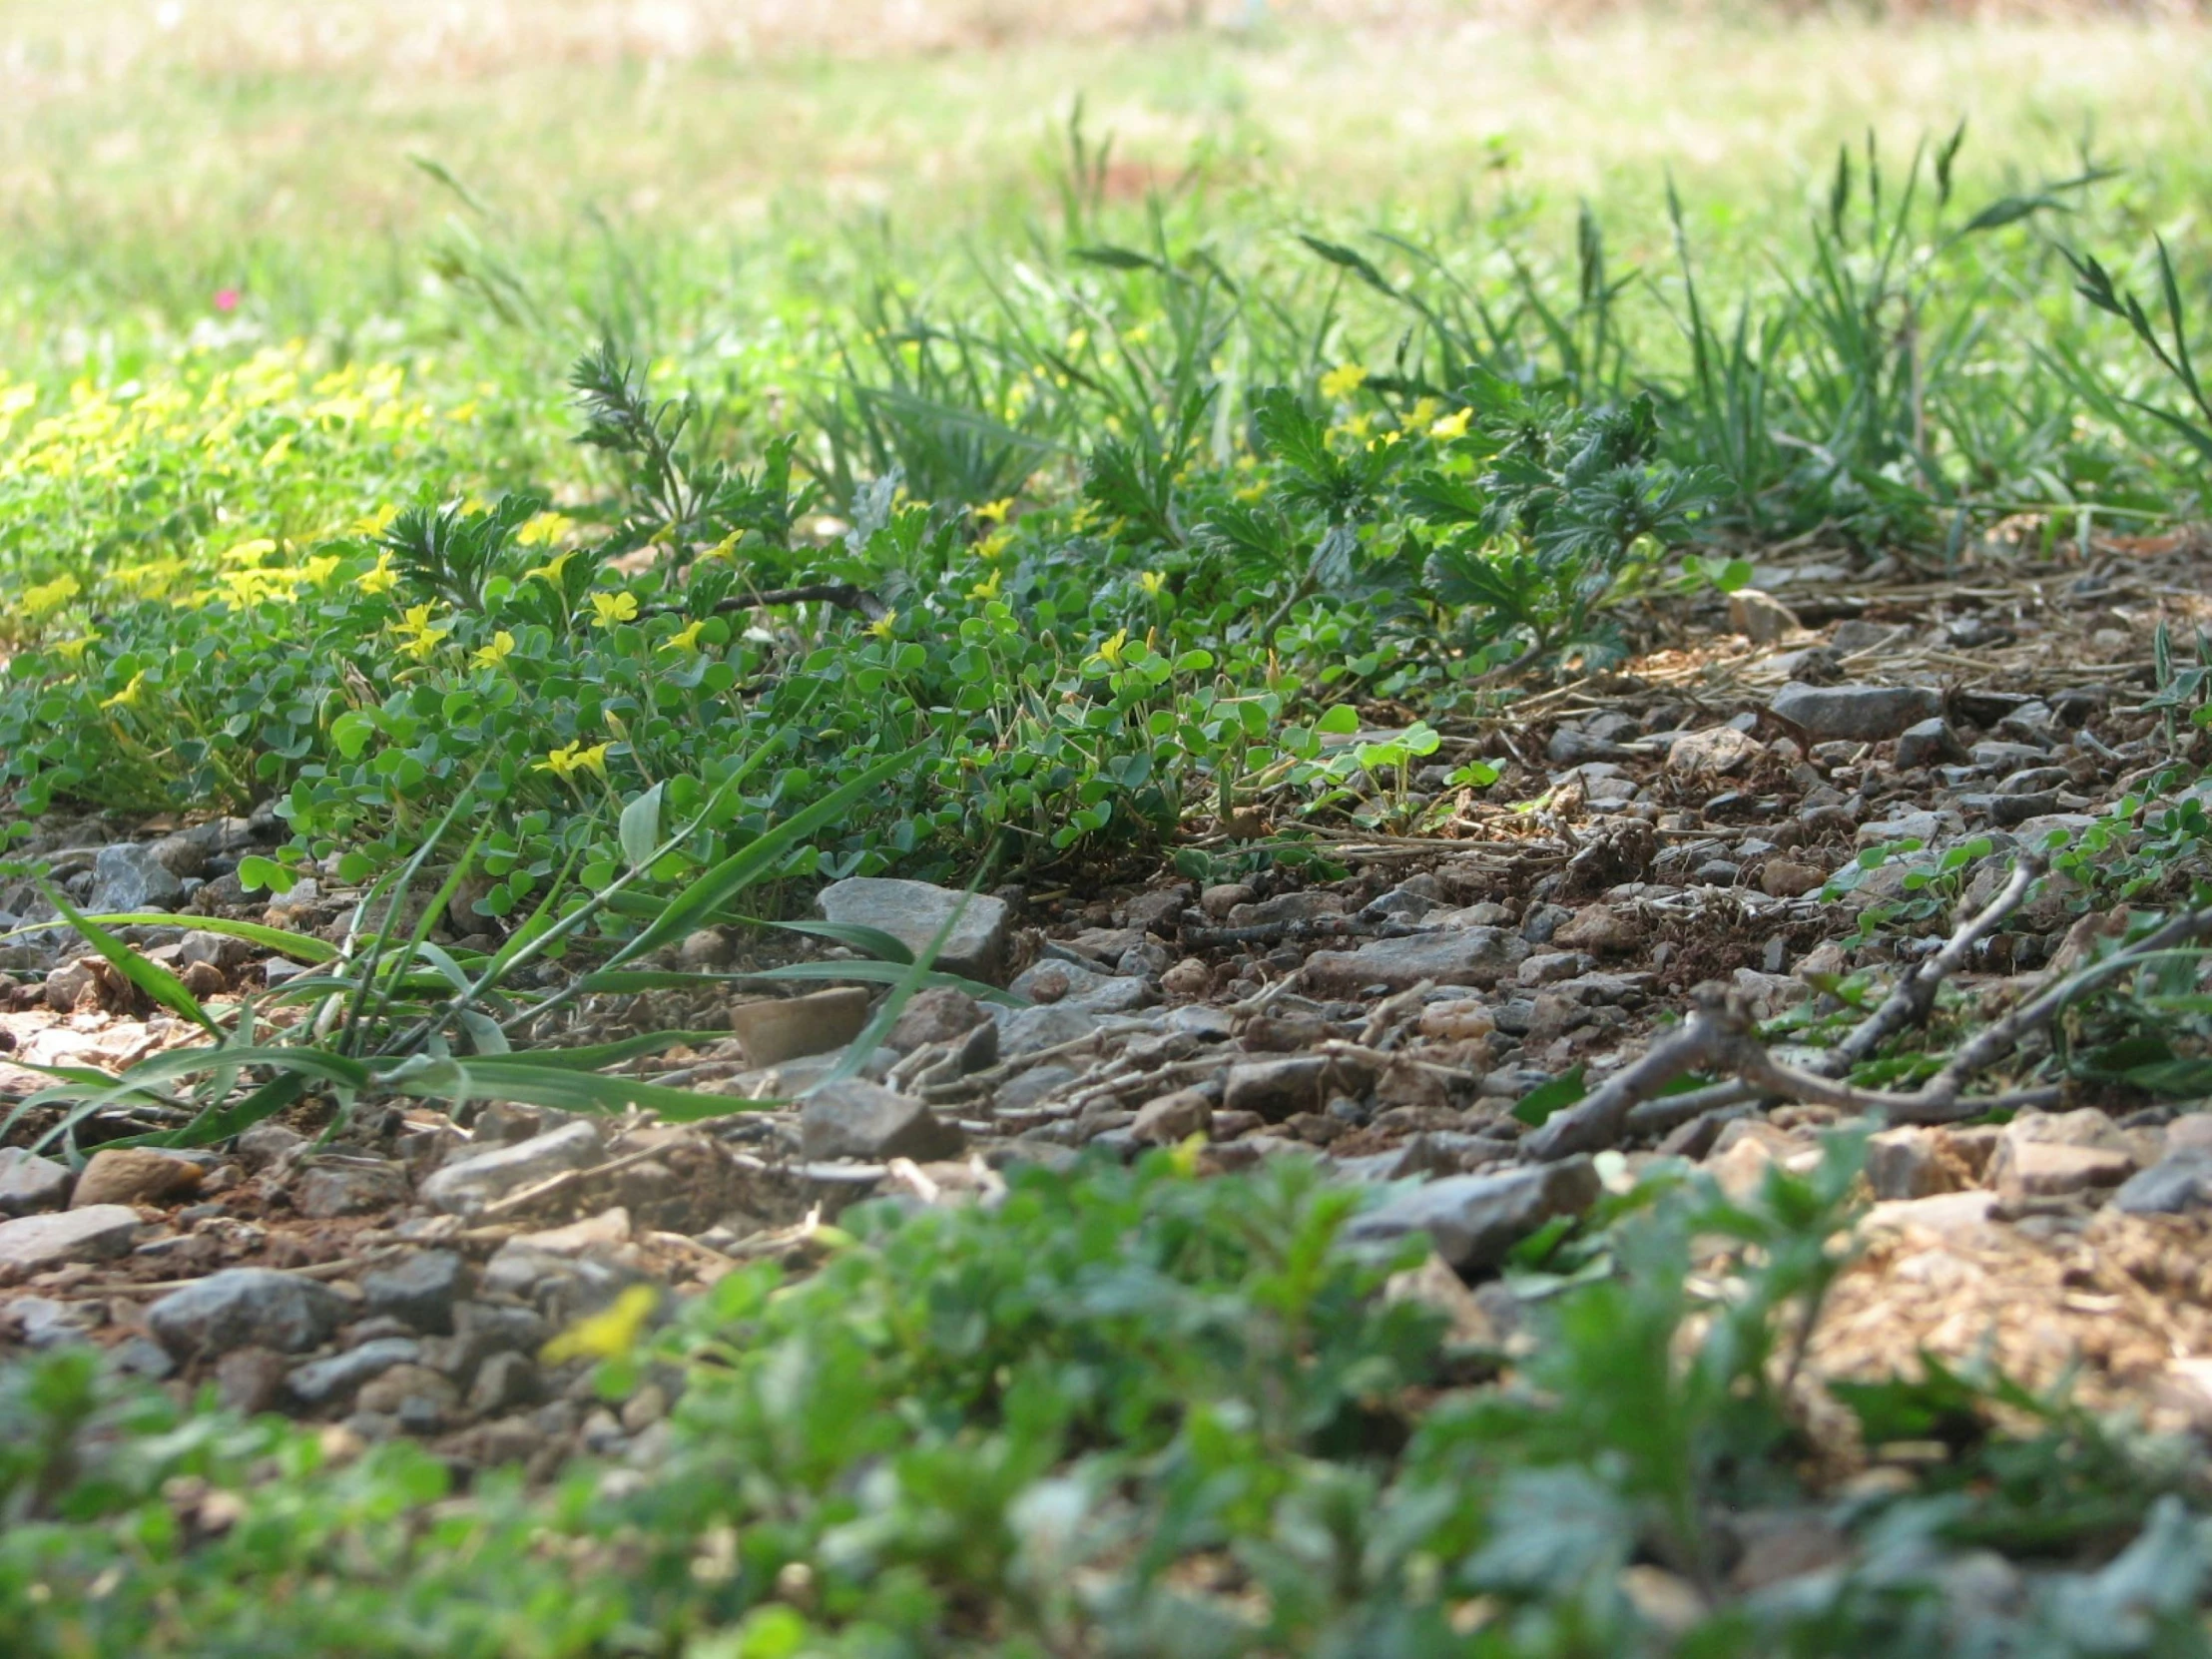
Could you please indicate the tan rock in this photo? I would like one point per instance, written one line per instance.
(1787, 878)
(1171, 1119)
(1760, 617)
(784, 1028)
(134, 1174)
(2055, 1169)
(1601, 929)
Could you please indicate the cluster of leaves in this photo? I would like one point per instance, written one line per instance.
(1125, 1410)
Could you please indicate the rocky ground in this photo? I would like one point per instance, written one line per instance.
(1664, 841)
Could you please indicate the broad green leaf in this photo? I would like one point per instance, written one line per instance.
(639, 829)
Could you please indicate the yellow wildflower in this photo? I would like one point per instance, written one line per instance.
(501, 648)
(131, 696)
(567, 760)
(1111, 651)
(544, 529)
(320, 569)
(1421, 413)
(418, 635)
(43, 601)
(989, 590)
(1342, 382)
(685, 638)
(552, 568)
(994, 544)
(727, 548)
(994, 512)
(381, 579)
(609, 1334)
(374, 524)
(610, 608)
(1152, 581)
(883, 626)
(1454, 426)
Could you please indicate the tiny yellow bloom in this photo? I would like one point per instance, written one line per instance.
(994, 512)
(1421, 413)
(610, 608)
(884, 626)
(418, 635)
(381, 578)
(727, 548)
(543, 530)
(990, 589)
(43, 601)
(501, 648)
(320, 569)
(1454, 426)
(1152, 581)
(609, 1334)
(376, 523)
(570, 758)
(685, 638)
(994, 544)
(131, 696)
(1111, 651)
(552, 568)
(1342, 382)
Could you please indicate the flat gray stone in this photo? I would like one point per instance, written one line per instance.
(1475, 1220)
(1858, 713)
(97, 1233)
(1060, 984)
(420, 1289)
(129, 876)
(1453, 956)
(320, 1382)
(1927, 743)
(913, 911)
(2177, 1183)
(247, 1308)
(864, 1120)
(30, 1183)
(465, 1187)
(1025, 1031)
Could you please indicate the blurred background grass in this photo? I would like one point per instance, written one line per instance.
(153, 150)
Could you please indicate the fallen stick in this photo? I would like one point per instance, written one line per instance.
(1718, 1037)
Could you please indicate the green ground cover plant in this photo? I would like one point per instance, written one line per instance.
(1129, 1411)
(621, 569)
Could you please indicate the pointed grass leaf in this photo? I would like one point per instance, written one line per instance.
(151, 977)
(688, 911)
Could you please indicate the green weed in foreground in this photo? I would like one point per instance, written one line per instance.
(1124, 1411)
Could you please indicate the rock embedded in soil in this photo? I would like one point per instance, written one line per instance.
(1856, 712)
(1475, 1220)
(913, 911)
(1787, 878)
(247, 1308)
(1070, 986)
(783, 1028)
(134, 1174)
(1760, 617)
(1907, 1164)
(1478, 957)
(935, 1014)
(351, 1188)
(1171, 1119)
(1599, 928)
(30, 1183)
(99, 1234)
(129, 876)
(2178, 1184)
(866, 1121)
(467, 1187)
(322, 1383)
(1717, 752)
(1928, 743)
(420, 1289)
